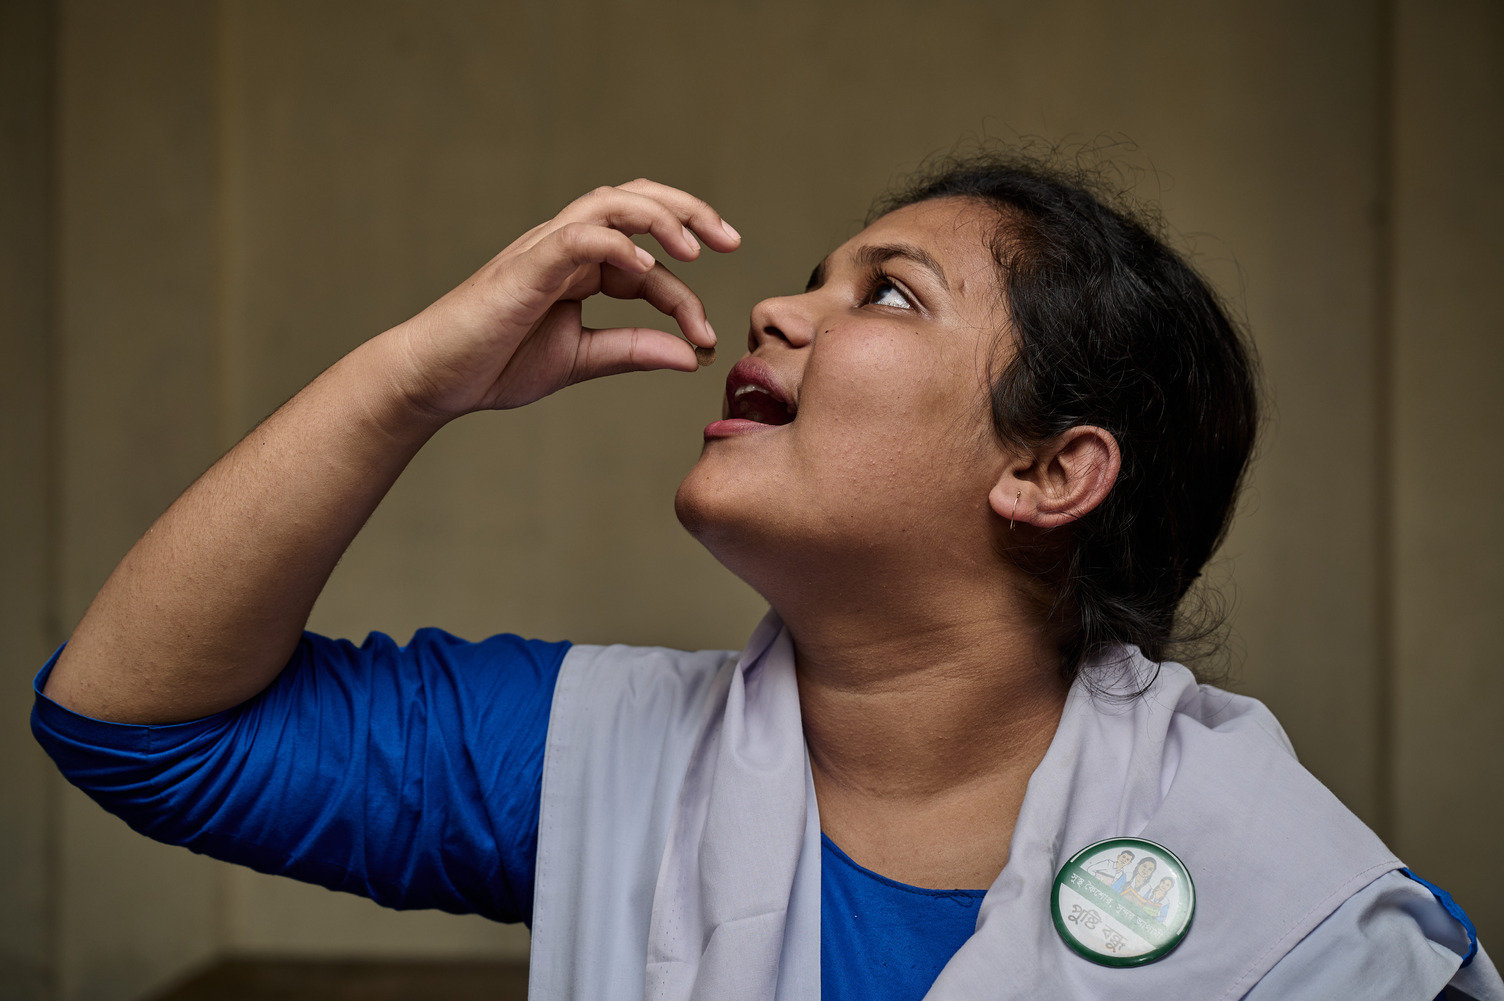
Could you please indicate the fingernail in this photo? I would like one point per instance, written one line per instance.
(645, 257)
(691, 238)
(730, 230)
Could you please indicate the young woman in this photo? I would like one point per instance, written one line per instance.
(1158, 903)
(1130, 885)
(974, 466)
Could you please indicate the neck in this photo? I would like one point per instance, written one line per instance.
(913, 706)
(924, 720)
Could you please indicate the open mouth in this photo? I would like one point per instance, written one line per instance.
(754, 393)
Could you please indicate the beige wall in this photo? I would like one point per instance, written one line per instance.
(235, 193)
(1447, 377)
(28, 816)
(134, 312)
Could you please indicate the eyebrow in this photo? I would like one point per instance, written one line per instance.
(874, 254)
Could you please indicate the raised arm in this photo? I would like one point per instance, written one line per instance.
(205, 609)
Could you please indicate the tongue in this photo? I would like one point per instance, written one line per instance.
(762, 408)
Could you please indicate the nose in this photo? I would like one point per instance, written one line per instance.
(786, 318)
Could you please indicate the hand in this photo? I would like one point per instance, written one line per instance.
(511, 334)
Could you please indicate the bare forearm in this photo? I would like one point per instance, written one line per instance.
(206, 608)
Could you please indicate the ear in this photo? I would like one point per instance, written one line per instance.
(1060, 481)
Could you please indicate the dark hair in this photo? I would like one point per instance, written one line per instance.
(1112, 328)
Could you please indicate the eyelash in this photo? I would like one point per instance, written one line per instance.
(878, 279)
(872, 282)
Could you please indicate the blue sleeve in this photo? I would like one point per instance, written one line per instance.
(410, 775)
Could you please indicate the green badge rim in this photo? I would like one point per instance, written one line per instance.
(1185, 909)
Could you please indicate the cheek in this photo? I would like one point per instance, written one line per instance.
(893, 402)
(868, 381)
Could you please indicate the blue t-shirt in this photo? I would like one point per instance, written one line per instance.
(412, 775)
(883, 939)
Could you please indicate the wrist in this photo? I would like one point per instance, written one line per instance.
(390, 403)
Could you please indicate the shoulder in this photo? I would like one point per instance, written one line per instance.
(631, 711)
(1356, 923)
(1394, 938)
(1197, 707)
(1231, 747)
(646, 661)
(651, 681)
(1272, 852)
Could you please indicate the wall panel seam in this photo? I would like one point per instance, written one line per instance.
(228, 340)
(1385, 599)
(52, 473)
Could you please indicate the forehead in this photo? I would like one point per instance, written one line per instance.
(957, 232)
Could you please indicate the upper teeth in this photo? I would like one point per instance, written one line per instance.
(749, 388)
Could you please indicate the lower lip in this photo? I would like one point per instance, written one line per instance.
(735, 426)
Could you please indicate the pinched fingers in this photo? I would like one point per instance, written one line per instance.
(694, 212)
(671, 216)
(549, 264)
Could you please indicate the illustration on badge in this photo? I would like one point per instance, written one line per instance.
(1123, 902)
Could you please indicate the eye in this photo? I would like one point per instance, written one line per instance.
(884, 291)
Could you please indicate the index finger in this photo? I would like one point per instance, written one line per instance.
(696, 213)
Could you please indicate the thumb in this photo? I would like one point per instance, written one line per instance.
(630, 349)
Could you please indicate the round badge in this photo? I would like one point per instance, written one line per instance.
(1123, 902)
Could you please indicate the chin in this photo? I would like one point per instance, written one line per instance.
(706, 508)
(789, 541)
(731, 525)
(687, 507)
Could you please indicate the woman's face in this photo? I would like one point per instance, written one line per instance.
(889, 457)
(1143, 872)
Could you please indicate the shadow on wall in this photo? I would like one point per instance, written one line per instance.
(351, 980)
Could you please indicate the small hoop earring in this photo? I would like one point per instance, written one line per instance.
(1015, 509)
